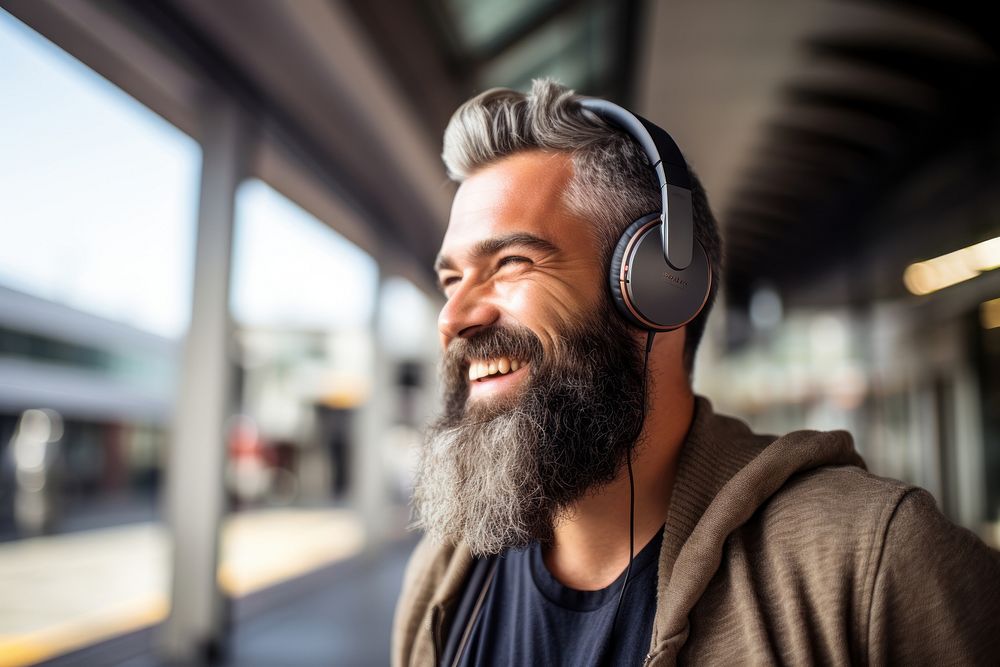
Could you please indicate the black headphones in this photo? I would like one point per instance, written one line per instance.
(659, 281)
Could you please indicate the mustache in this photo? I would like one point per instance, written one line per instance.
(498, 341)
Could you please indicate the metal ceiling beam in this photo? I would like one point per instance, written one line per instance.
(976, 16)
(794, 130)
(867, 104)
(943, 71)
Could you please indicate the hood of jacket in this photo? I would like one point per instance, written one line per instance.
(725, 473)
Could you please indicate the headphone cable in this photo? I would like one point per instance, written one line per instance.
(631, 487)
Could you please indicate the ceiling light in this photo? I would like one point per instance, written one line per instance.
(934, 274)
(989, 314)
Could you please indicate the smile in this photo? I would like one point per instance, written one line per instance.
(480, 369)
(490, 376)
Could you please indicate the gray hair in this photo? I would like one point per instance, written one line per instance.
(611, 185)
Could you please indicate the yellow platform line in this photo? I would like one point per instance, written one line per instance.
(34, 647)
(236, 579)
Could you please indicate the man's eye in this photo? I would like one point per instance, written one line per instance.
(447, 281)
(513, 259)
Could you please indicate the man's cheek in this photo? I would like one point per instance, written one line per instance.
(534, 309)
(540, 297)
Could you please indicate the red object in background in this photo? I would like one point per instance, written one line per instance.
(245, 442)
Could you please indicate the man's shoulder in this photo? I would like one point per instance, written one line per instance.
(844, 518)
(843, 503)
(839, 490)
(867, 559)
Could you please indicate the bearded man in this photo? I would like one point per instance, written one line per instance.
(582, 506)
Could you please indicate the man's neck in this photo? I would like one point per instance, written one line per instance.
(591, 545)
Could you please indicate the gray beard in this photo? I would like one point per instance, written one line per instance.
(498, 474)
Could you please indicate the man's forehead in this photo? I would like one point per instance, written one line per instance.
(522, 193)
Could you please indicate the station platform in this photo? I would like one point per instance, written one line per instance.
(302, 590)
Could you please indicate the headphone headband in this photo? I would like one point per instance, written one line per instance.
(672, 175)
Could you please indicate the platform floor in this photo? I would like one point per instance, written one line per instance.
(301, 572)
(339, 615)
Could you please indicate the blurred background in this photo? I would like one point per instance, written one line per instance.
(217, 312)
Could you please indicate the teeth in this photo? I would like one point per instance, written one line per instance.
(501, 365)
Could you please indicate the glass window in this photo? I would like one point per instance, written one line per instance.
(292, 271)
(481, 21)
(572, 49)
(99, 192)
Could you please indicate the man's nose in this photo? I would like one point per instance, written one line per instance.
(468, 310)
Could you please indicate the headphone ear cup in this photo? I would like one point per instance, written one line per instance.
(617, 258)
(658, 297)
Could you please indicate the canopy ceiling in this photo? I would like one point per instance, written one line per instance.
(831, 135)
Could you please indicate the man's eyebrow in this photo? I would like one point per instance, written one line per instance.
(495, 244)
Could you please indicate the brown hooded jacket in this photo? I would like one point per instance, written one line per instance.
(778, 551)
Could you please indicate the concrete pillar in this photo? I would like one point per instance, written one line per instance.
(369, 489)
(194, 491)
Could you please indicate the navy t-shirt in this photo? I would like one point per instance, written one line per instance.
(528, 618)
